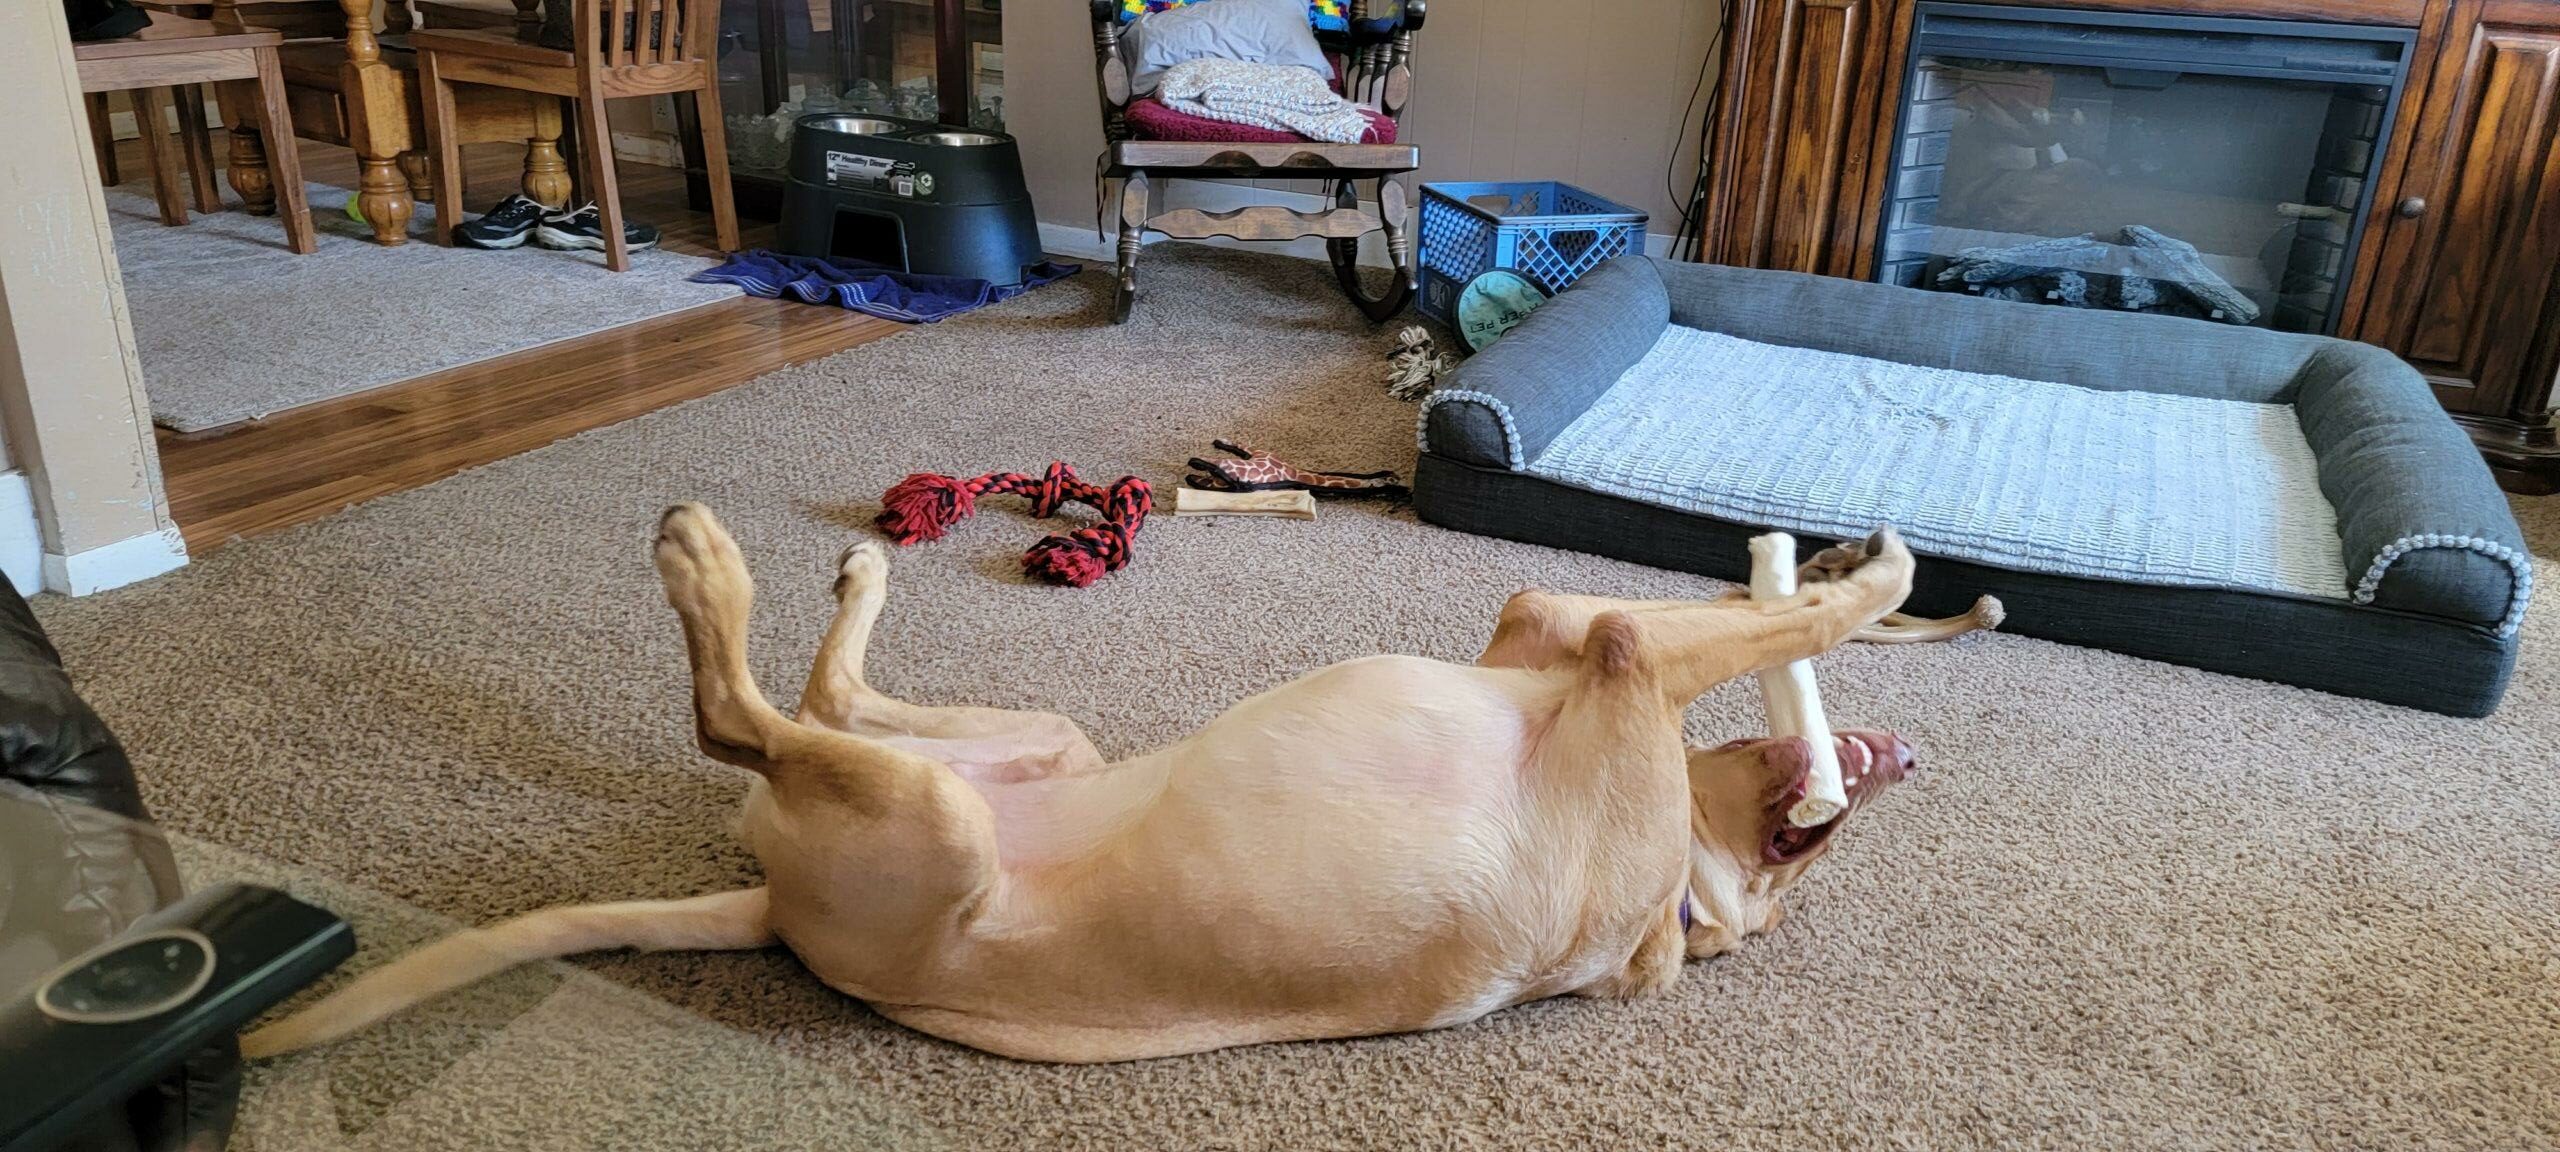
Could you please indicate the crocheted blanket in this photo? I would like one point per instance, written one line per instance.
(1281, 96)
(2029, 475)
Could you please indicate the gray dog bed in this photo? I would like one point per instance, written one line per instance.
(2291, 508)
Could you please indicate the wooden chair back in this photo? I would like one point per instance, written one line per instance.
(619, 35)
(1378, 72)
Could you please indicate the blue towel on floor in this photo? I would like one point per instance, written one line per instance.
(911, 297)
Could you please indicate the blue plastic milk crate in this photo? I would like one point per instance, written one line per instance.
(1548, 229)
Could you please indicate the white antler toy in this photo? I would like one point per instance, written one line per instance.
(1793, 702)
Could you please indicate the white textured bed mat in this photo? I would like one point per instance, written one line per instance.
(2023, 474)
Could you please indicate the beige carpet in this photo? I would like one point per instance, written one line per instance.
(2128, 906)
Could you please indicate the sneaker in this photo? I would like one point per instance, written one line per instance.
(504, 226)
(583, 227)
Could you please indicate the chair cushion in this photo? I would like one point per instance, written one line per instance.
(1322, 15)
(1262, 31)
(1149, 119)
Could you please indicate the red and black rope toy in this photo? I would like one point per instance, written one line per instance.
(925, 505)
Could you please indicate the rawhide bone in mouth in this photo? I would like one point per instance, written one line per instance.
(1789, 696)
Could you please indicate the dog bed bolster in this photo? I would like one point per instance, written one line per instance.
(2423, 523)
(1506, 403)
(2108, 351)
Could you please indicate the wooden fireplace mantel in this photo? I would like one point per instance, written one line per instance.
(2457, 270)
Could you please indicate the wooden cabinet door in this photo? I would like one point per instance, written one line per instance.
(2464, 287)
(1794, 141)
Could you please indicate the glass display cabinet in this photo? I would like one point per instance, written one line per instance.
(782, 59)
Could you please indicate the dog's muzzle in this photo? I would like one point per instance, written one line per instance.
(1868, 762)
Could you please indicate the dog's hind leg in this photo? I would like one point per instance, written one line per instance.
(995, 743)
(875, 783)
(836, 688)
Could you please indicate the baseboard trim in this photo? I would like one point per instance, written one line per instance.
(1078, 243)
(115, 565)
(21, 538)
(1085, 243)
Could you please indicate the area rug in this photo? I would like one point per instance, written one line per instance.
(233, 326)
(2125, 906)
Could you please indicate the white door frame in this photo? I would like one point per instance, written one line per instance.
(77, 423)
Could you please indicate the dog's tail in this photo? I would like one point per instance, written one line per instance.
(727, 920)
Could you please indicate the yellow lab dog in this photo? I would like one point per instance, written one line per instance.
(1385, 845)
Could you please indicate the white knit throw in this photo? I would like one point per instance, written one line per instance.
(1280, 96)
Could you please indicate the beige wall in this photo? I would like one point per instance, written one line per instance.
(1588, 93)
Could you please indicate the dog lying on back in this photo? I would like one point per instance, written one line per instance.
(1384, 845)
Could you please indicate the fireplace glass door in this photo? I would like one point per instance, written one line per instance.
(2209, 168)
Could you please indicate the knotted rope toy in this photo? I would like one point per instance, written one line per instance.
(925, 505)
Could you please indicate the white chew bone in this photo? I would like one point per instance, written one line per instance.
(1788, 694)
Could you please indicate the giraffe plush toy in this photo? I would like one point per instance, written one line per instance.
(1257, 471)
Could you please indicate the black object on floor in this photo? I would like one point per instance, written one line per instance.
(504, 226)
(80, 865)
(103, 19)
(582, 227)
(912, 195)
(107, 1024)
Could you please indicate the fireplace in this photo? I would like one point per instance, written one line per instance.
(2206, 167)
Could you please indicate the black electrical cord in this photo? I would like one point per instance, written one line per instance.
(1689, 237)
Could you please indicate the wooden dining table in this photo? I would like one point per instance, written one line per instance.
(351, 80)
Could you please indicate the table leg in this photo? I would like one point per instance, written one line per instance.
(247, 172)
(418, 170)
(382, 194)
(546, 172)
(377, 127)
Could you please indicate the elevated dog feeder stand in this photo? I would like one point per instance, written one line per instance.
(909, 194)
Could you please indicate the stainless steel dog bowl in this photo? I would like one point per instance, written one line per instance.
(854, 125)
(957, 139)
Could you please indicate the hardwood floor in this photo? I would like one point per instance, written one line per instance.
(308, 462)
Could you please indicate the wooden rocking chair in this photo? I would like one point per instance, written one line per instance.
(1374, 61)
